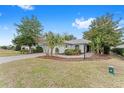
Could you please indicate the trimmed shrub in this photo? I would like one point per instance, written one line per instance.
(38, 50)
(72, 52)
(24, 51)
(17, 48)
(119, 51)
(68, 51)
(10, 47)
(77, 51)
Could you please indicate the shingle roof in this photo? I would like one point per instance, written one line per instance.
(77, 41)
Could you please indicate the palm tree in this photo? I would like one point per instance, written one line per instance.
(53, 40)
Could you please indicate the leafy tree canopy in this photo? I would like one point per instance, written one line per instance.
(104, 31)
(28, 31)
(68, 37)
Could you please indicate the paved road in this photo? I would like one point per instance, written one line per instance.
(14, 58)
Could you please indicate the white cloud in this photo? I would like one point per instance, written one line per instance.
(82, 23)
(26, 7)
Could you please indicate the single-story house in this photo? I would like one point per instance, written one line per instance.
(27, 47)
(82, 44)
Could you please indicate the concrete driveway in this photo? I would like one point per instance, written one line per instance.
(26, 56)
(14, 58)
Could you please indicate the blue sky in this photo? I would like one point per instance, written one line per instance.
(59, 19)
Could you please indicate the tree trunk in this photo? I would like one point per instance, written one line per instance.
(30, 51)
(97, 50)
(47, 52)
(51, 51)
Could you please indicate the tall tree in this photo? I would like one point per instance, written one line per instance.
(104, 32)
(53, 40)
(68, 37)
(28, 31)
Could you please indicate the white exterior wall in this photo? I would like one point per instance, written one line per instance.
(62, 48)
(81, 47)
(48, 50)
(27, 47)
(70, 46)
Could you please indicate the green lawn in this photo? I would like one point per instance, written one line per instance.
(8, 52)
(39, 72)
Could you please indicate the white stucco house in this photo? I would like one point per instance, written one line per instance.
(27, 47)
(82, 44)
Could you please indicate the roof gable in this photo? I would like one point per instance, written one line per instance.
(77, 41)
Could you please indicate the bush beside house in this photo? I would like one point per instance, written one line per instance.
(24, 51)
(38, 50)
(72, 52)
(119, 51)
(17, 48)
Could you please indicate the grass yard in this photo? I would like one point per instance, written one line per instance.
(8, 52)
(39, 72)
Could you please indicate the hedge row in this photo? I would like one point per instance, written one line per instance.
(119, 51)
(72, 51)
(37, 50)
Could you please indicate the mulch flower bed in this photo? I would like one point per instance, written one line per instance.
(92, 58)
(105, 57)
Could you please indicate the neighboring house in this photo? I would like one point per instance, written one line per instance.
(27, 47)
(40, 40)
(72, 44)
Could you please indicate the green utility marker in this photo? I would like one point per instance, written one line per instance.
(111, 70)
